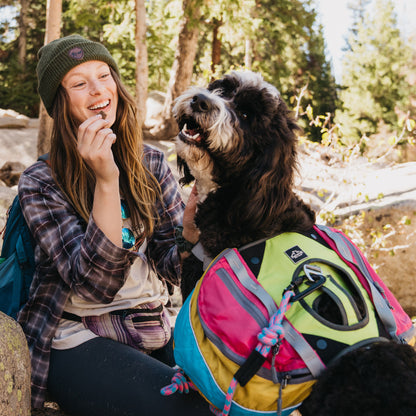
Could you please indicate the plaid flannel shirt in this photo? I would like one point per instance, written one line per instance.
(71, 254)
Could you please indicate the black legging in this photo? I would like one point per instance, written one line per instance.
(102, 377)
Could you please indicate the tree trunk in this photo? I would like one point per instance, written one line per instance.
(53, 31)
(247, 54)
(181, 74)
(216, 46)
(142, 71)
(22, 34)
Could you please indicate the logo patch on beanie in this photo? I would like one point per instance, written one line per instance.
(76, 53)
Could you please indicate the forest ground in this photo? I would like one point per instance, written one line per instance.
(375, 203)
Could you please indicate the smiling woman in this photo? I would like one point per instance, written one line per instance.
(103, 218)
(59, 57)
(91, 90)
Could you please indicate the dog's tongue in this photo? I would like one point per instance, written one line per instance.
(191, 134)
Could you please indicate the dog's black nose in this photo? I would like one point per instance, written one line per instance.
(201, 103)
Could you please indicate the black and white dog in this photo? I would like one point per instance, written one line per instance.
(238, 141)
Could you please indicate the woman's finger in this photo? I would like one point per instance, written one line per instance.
(105, 140)
(88, 129)
(99, 149)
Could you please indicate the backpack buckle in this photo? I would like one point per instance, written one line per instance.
(311, 271)
(315, 279)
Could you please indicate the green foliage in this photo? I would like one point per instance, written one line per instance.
(18, 85)
(91, 19)
(237, 23)
(286, 46)
(374, 76)
(162, 30)
(18, 88)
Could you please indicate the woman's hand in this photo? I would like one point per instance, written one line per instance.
(190, 231)
(95, 139)
(94, 145)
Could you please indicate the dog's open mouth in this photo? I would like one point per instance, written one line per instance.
(191, 132)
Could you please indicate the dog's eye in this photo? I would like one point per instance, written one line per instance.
(242, 114)
(227, 94)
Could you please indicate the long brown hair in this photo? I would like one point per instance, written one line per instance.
(138, 186)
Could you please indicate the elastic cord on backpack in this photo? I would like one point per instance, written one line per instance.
(179, 383)
(269, 338)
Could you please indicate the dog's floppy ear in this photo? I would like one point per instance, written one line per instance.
(267, 200)
(183, 169)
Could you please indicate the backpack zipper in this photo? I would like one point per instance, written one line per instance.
(283, 383)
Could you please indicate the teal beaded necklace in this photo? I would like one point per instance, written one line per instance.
(127, 236)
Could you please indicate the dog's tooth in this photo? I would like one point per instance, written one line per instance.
(187, 134)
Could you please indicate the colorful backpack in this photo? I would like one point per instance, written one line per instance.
(265, 320)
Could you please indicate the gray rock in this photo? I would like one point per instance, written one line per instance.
(14, 369)
(10, 172)
(11, 119)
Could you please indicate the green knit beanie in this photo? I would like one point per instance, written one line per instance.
(60, 56)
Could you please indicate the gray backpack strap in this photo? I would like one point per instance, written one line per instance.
(345, 247)
(296, 340)
(199, 252)
(244, 278)
(302, 347)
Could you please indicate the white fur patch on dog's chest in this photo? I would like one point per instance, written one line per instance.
(204, 186)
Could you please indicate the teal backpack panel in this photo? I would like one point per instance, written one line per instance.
(17, 261)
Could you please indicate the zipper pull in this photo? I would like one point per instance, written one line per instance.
(275, 351)
(283, 383)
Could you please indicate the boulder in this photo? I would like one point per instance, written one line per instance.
(154, 107)
(11, 119)
(14, 369)
(10, 172)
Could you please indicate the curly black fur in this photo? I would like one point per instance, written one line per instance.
(375, 381)
(252, 163)
(238, 141)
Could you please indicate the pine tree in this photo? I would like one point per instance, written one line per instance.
(374, 78)
(18, 85)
